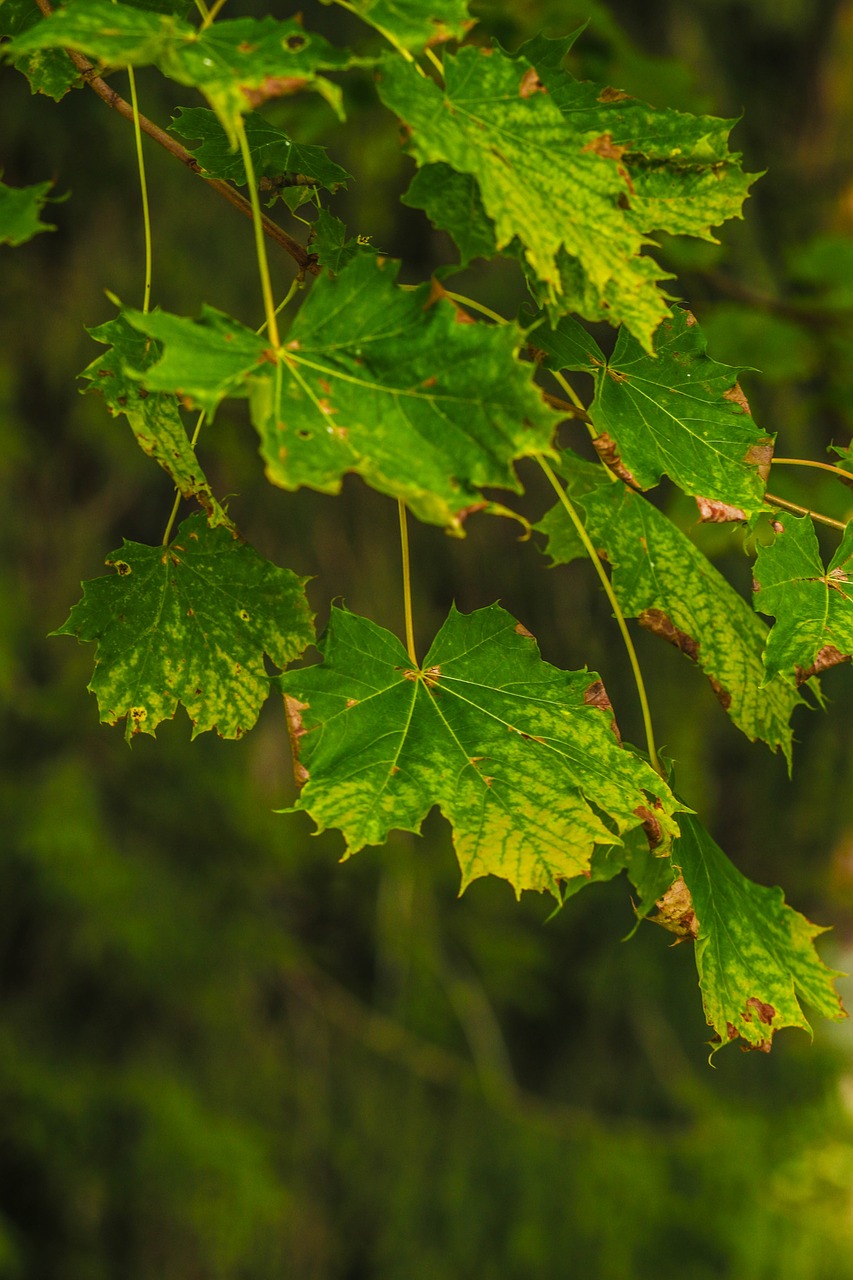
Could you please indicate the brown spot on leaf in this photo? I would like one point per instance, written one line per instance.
(352, 702)
(521, 630)
(760, 456)
(596, 696)
(530, 84)
(293, 709)
(723, 696)
(295, 42)
(731, 1031)
(777, 526)
(324, 386)
(430, 381)
(604, 146)
(272, 87)
(607, 450)
(825, 658)
(657, 621)
(735, 396)
(431, 676)
(711, 511)
(675, 912)
(651, 825)
(764, 1012)
(609, 94)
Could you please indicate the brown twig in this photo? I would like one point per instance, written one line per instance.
(304, 260)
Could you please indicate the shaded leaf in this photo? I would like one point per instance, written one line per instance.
(755, 955)
(20, 212)
(275, 155)
(453, 203)
(153, 416)
(236, 63)
(681, 414)
(49, 71)
(330, 245)
(190, 624)
(662, 579)
(566, 345)
(812, 605)
(522, 763)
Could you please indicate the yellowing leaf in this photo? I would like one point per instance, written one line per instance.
(520, 756)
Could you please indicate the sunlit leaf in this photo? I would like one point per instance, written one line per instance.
(412, 24)
(520, 756)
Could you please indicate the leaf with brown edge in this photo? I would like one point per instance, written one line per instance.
(521, 763)
(680, 413)
(663, 580)
(755, 955)
(812, 605)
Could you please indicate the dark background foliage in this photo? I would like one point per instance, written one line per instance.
(222, 1054)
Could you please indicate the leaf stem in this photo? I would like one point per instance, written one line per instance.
(89, 73)
(143, 184)
(810, 462)
(389, 36)
(407, 583)
(476, 306)
(435, 62)
(617, 610)
(212, 14)
(178, 496)
(260, 243)
(804, 511)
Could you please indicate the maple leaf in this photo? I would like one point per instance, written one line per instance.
(682, 414)
(20, 212)
(812, 605)
(662, 579)
(755, 955)
(520, 756)
(189, 623)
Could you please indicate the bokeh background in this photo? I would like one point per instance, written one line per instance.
(225, 1056)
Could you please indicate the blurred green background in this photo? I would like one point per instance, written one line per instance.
(224, 1056)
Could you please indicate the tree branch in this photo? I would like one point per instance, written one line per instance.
(304, 260)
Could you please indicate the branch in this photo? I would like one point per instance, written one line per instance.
(305, 261)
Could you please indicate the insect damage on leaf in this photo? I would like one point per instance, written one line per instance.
(675, 912)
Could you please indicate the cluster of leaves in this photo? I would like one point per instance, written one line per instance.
(434, 406)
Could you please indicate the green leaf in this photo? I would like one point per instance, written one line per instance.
(275, 156)
(153, 416)
(520, 757)
(453, 203)
(20, 212)
(203, 360)
(680, 413)
(49, 71)
(536, 180)
(412, 24)
(330, 245)
(399, 387)
(813, 606)
(649, 873)
(567, 345)
(190, 623)
(666, 582)
(236, 63)
(755, 955)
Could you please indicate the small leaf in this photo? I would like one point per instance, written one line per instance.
(755, 955)
(660, 577)
(20, 212)
(681, 414)
(330, 245)
(567, 345)
(525, 767)
(813, 606)
(190, 623)
(275, 156)
(153, 416)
